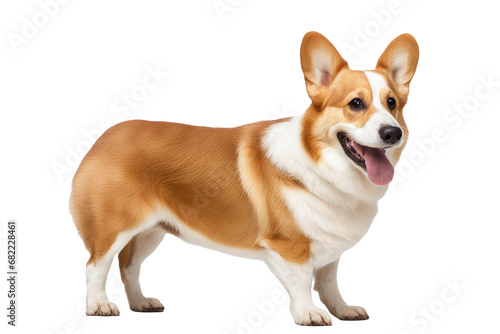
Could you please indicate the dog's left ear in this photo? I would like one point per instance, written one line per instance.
(399, 61)
(321, 62)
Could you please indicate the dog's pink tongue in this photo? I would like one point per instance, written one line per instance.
(379, 168)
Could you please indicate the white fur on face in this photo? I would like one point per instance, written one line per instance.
(368, 135)
(377, 83)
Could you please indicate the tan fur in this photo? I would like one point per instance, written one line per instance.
(338, 85)
(277, 228)
(346, 85)
(221, 188)
(317, 50)
(126, 254)
(217, 181)
(193, 171)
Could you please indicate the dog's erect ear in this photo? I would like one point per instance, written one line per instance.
(321, 62)
(399, 61)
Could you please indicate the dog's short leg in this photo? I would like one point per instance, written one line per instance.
(326, 285)
(131, 258)
(297, 280)
(97, 273)
(97, 301)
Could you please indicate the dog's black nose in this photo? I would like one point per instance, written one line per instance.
(390, 134)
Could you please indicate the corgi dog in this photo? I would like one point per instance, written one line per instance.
(294, 192)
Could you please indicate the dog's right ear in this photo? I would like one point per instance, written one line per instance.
(321, 62)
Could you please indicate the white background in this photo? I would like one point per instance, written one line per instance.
(437, 226)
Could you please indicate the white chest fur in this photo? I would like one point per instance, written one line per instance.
(332, 227)
(331, 216)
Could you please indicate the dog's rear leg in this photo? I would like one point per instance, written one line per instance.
(97, 272)
(131, 258)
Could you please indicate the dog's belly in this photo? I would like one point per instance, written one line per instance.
(182, 230)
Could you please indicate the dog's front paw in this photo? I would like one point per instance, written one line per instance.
(347, 312)
(311, 316)
(104, 308)
(147, 305)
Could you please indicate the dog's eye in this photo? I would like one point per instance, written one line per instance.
(356, 104)
(391, 103)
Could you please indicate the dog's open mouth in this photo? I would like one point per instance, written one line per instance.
(371, 159)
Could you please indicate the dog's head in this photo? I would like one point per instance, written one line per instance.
(357, 113)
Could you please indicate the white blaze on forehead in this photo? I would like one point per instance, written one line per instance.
(377, 83)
